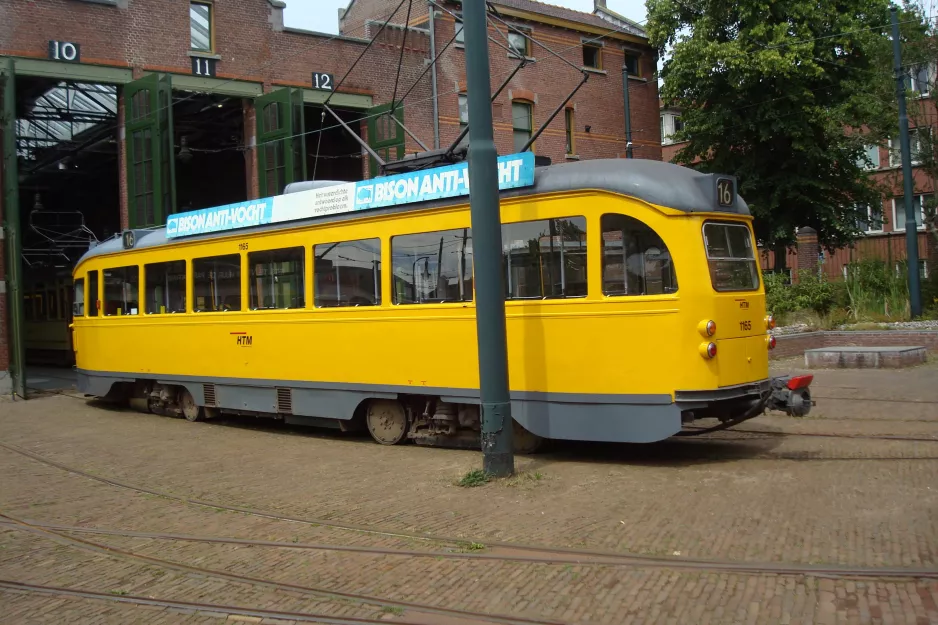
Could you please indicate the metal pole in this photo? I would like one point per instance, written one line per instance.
(911, 226)
(433, 85)
(497, 447)
(628, 113)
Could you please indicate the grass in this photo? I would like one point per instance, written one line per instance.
(476, 477)
(393, 609)
(524, 478)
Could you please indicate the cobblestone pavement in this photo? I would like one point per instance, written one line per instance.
(772, 492)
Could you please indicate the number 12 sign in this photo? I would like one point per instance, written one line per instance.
(323, 82)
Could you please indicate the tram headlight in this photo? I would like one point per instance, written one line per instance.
(707, 328)
(770, 322)
(708, 350)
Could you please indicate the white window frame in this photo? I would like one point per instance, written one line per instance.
(870, 221)
(911, 82)
(896, 222)
(915, 147)
(667, 128)
(460, 40)
(876, 163)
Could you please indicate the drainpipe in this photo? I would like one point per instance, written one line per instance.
(433, 87)
(628, 112)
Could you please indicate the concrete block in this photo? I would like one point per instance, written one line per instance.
(864, 357)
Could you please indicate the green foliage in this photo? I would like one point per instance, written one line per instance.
(877, 290)
(476, 477)
(766, 90)
(778, 297)
(813, 291)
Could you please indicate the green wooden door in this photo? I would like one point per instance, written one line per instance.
(150, 144)
(281, 140)
(384, 136)
(12, 234)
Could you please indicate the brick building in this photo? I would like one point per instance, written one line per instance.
(604, 45)
(117, 113)
(883, 226)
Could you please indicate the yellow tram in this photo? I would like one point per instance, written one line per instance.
(634, 305)
(47, 314)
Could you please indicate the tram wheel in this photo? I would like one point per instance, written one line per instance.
(387, 421)
(525, 441)
(190, 410)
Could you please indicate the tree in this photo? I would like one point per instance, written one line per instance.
(785, 95)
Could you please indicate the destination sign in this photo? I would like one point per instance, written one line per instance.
(514, 171)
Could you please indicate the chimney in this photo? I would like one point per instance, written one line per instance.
(598, 4)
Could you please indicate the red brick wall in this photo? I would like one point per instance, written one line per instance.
(354, 22)
(598, 104)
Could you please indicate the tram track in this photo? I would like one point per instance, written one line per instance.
(877, 437)
(325, 593)
(214, 608)
(536, 554)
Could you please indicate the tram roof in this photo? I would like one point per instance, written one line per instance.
(655, 182)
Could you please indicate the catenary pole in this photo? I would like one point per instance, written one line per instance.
(497, 447)
(911, 225)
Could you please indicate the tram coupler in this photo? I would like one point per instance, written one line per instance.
(791, 395)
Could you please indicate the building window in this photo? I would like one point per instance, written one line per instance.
(165, 287)
(919, 79)
(898, 211)
(200, 26)
(592, 56)
(635, 259)
(347, 274)
(916, 147)
(545, 259)
(463, 117)
(120, 290)
(632, 65)
(433, 267)
(460, 33)
(277, 279)
(522, 123)
(870, 218)
(216, 283)
(870, 158)
(519, 44)
(670, 124)
(569, 121)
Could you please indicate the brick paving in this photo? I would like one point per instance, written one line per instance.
(736, 496)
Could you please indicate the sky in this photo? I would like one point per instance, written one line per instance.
(323, 15)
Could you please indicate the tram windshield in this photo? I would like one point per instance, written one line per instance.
(731, 257)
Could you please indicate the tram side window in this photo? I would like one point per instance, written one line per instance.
(545, 259)
(347, 273)
(277, 278)
(216, 283)
(121, 291)
(635, 259)
(432, 267)
(93, 293)
(78, 306)
(165, 287)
